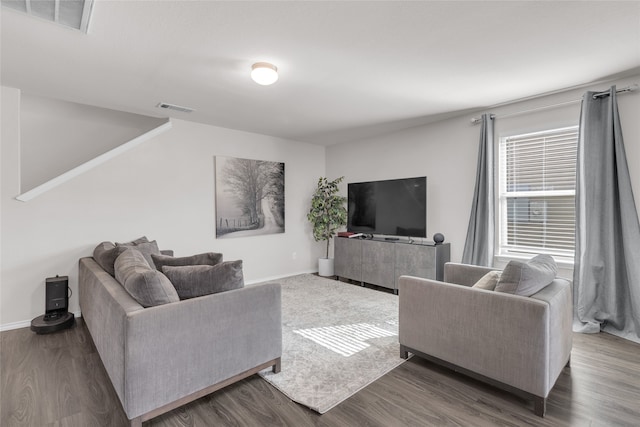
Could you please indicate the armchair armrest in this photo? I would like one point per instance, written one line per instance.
(464, 274)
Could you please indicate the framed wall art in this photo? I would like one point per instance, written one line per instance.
(249, 197)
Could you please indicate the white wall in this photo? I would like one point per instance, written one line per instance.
(446, 152)
(50, 127)
(164, 189)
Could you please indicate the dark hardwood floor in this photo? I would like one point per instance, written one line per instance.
(58, 380)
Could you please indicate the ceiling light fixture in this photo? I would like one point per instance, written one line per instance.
(264, 73)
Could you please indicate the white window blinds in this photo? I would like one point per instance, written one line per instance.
(537, 182)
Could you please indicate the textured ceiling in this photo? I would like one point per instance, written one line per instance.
(347, 69)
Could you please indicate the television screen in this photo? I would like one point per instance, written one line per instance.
(395, 207)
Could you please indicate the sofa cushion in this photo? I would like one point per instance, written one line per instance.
(146, 248)
(209, 258)
(197, 280)
(105, 255)
(146, 285)
(527, 278)
(488, 281)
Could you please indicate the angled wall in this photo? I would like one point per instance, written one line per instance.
(57, 136)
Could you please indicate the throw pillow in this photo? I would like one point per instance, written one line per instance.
(105, 255)
(193, 281)
(488, 281)
(208, 258)
(145, 284)
(527, 278)
(146, 248)
(134, 242)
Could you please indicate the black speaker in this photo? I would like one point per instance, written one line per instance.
(56, 294)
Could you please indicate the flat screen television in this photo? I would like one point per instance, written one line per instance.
(396, 207)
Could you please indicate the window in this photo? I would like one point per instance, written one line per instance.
(537, 184)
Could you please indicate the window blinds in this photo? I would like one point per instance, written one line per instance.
(537, 193)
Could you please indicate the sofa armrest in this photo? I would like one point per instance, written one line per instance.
(105, 303)
(464, 274)
(501, 336)
(180, 348)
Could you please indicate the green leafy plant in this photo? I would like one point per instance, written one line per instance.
(327, 213)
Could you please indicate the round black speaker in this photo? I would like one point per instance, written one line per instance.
(438, 238)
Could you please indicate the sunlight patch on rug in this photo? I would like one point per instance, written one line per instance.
(345, 340)
(337, 338)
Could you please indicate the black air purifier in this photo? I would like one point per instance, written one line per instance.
(56, 316)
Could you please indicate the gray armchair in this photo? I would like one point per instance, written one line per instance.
(520, 344)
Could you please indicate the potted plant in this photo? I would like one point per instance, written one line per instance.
(327, 215)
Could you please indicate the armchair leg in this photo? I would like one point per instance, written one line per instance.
(404, 353)
(539, 406)
(568, 365)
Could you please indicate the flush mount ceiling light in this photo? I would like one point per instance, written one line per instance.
(264, 73)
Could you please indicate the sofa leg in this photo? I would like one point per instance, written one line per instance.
(568, 365)
(136, 422)
(404, 353)
(277, 366)
(539, 406)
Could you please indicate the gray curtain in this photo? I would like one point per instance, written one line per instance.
(478, 247)
(607, 258)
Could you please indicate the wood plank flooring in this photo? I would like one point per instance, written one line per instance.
(58, 380)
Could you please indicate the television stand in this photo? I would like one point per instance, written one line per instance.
(381, 262)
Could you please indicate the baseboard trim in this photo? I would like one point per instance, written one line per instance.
(26, 323)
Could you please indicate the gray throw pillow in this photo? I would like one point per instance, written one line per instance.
(209, 258)
(105, 255)
(488, 281)
(134, 242)
(145, 284)
(527, 278)
(146, 248)
(197, 280)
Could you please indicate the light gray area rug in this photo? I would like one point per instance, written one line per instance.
(337, 338)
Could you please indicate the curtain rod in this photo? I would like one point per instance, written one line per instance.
(623, 90)
(633, 87)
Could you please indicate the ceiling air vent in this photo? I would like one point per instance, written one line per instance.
(175, 107)
(71, 14)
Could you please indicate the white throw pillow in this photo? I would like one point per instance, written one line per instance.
(488, 281)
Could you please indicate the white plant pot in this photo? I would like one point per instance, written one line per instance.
(325, 267)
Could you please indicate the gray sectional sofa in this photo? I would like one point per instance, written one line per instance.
(159, 358)
(518, 343)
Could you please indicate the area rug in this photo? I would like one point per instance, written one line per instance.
(337, 338)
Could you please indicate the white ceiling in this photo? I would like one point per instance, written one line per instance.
(347, 68)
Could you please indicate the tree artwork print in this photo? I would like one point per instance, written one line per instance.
(249, 197)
